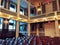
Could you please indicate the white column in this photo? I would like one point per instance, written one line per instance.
(56, 25)
(57, 1)
(28, 29)
(28, 18)
(41, 9)
(18, 15)
(0, 2)
(56, 28)
(36, 11)
(37, 30)
(7, 4)
(17, 29)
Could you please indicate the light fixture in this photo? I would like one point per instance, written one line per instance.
(10, 16)
(6, 22)
(59, 26)
(55, 17)
(18, 18)
(0, 13)
(35, 20)
(39, 7)
(45, 19)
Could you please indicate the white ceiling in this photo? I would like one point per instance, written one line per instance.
(23, 3)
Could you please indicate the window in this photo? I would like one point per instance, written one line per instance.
(23, 26)
(22, 11)
(54, 5)
(43, 8)
(59, 4)
(33, 26)
(2, 3)
(32, 12)
(12, 7)
(1, 23)
(12, 25)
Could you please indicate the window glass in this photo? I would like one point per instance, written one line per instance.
(43, 8)
(1, 23)
(2, 3)
(23, 26)
(12, 25)
(59, 4)
(54, 5)
(22, 11)
(12, 7)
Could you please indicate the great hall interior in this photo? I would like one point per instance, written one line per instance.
(29, 22)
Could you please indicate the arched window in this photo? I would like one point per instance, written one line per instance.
(12, 7)
(2, 3)
(1, 23)
(12, 25)
(22, 11)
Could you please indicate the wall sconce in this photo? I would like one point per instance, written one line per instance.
(55, 17)
(35, 20)
(45, 19)
(18, 18)
(39, 9)
(0, 13)
(59, 26)
(6, 22)
(10, 16)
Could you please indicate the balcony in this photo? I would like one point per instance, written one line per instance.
(46, 17)
(49, 16)
(3, 10)
(6, 11)
(42, 15)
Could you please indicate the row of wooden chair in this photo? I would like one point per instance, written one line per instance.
(31, 40)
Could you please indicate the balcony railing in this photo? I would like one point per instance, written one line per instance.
(58, 13)
(38, 16)
(8, 11)
(50, 14)
(43, 15)
(3, 10)
(23, 16)
(26, 17)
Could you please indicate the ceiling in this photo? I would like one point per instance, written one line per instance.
(34, 3)
(23, 3)
(37, 2)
